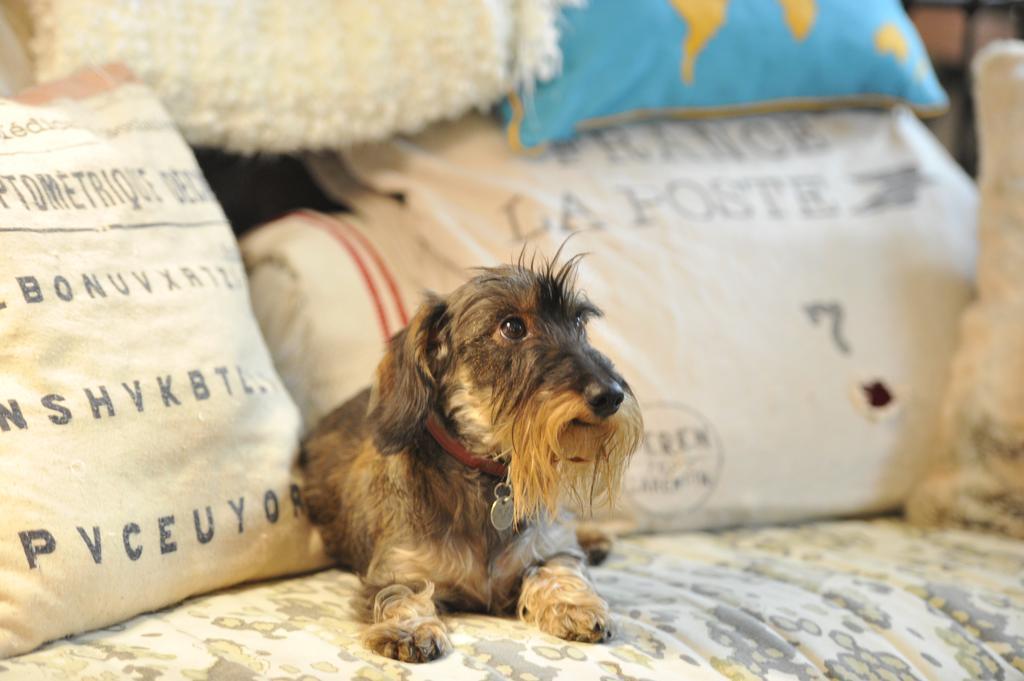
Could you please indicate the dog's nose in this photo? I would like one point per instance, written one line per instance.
(603, 398)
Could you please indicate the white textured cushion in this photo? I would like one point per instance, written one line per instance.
(264, 75)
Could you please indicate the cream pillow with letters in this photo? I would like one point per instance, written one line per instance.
(147, 445)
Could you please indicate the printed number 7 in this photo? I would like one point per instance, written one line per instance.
(818, 311)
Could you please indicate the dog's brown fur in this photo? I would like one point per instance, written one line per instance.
(414, 522)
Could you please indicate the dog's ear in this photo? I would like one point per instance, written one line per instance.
(406, 386)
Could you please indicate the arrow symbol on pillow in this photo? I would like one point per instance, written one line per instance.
(893, 188)
(820, 311)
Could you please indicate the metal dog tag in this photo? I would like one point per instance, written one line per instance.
(502, 509)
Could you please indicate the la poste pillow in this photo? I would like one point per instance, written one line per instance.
(782, 292)
(147, 445)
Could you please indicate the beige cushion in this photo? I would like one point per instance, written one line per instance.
(982, 481)
(326, 301)
(147, 446)
(15, 63)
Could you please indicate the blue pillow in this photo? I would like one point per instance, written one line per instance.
(629, 59)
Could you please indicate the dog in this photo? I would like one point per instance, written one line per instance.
(440, 485)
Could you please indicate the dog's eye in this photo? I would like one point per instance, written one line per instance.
(513, 328)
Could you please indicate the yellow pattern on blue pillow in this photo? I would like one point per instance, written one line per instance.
(625, 59)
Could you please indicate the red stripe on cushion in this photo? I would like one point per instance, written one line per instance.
(384, 270)
(332, 228)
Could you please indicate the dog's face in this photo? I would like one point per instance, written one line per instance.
(506, 360)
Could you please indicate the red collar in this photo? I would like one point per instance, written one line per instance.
(460, 453)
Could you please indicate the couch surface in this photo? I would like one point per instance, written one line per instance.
(840, 600)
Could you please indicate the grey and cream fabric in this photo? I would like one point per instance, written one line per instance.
(852, 600)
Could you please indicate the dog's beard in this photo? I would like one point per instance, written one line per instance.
(560, 452)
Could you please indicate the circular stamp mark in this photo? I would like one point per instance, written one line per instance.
(679, 463)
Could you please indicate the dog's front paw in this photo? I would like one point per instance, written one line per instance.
(418, 640)
(561, 601)
(586, 623)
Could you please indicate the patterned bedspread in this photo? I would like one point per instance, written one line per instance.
(844, 600)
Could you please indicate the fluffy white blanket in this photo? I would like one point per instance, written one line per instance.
(272, 76)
